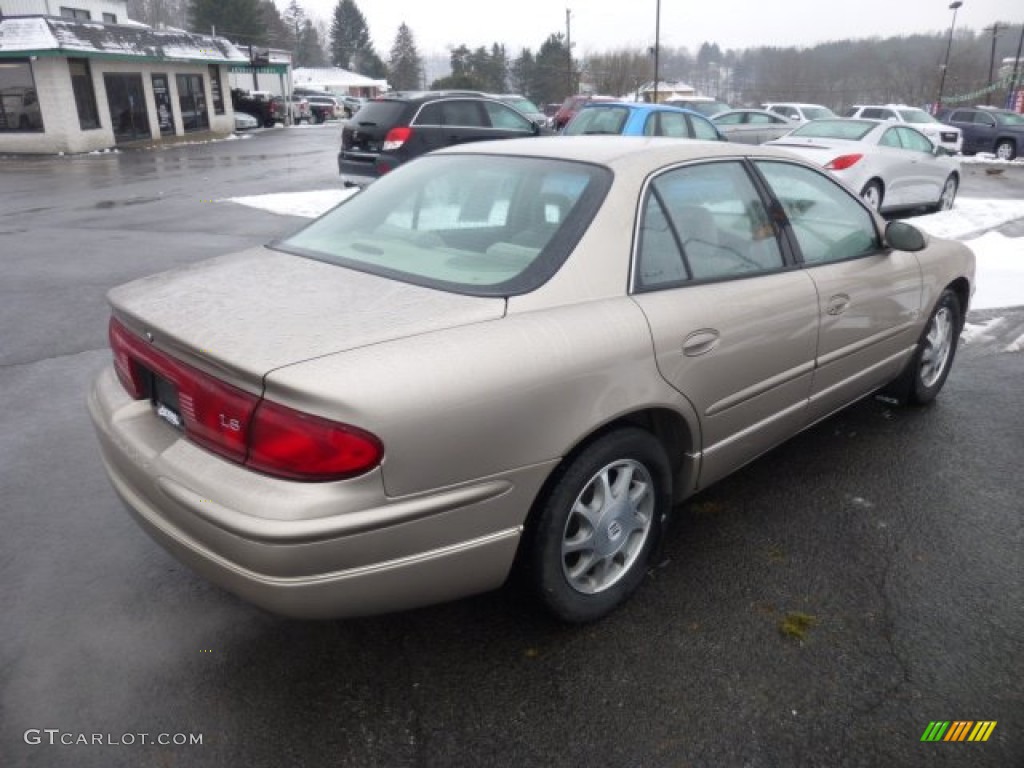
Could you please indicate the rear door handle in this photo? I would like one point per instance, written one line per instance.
(700, 342)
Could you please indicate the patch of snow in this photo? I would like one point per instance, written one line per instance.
(970, 216)
(306, 204)
(979, 333)
(1000, 275)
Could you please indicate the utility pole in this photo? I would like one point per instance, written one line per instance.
(568, 47)
(1016, 69)
(994, 29)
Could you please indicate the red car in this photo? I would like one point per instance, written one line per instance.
(571, 106)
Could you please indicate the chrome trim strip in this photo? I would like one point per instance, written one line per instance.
(760, 388)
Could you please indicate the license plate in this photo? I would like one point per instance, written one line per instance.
(165, 400)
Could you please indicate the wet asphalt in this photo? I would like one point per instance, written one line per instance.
(893, 535)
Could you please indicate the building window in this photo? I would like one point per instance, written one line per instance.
(85, 96)
(75, 13)
(19, 102)
(109, 18)
(215, 90)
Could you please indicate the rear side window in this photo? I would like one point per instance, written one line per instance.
(704, 222)
(464, 113)
(667, 124)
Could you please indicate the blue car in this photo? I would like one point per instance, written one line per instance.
(624, 118)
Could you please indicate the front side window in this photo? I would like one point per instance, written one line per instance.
(703, 129)
(704, 222)
(667, 124)
(913, 140)
(473, 224)
(1007, 118)
(828, 222)
(19, 102)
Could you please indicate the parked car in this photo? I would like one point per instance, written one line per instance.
(517, 351)
(392, 130)
(571, 106)
(322, 105)
(524, 106)
(947, 136)
(752, 126)
(265, 107)
(799, 112)
(703, 105)
(301, 112)
(893, 166)
(629, 118)
(985, 129)
(245, 122)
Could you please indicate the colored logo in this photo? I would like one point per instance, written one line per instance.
(958, 730)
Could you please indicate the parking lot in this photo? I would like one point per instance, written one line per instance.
(820, 607)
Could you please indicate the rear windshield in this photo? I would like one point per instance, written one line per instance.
(852, 130)
(591, 121)
(381, 113)
(472, 224)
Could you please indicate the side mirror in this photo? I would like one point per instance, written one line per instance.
(904, 237)
(535, 127)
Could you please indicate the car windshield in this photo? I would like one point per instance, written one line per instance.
(598, 120)
(852, 130)
(916, 116)
(1008, 118)
(525, 106)
(472, 224)
(818, 113)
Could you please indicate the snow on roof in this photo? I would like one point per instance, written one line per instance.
(39, 34)
(333, 76)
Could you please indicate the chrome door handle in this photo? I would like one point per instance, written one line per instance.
(700, 342)
(837, 304)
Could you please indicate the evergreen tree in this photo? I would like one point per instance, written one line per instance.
(405, 66)
(279, 34)
(349, 35)
(239, 20)
(309, 50)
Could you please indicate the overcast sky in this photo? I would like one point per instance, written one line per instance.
(600, 25)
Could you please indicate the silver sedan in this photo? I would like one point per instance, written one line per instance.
(752, 126)
(891, 165)
(525, 351)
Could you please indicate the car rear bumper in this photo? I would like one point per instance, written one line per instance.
(309, 550)
(357, 172)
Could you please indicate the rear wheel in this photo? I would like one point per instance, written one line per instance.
(589, 547)
(1006, 150)
(872, 195)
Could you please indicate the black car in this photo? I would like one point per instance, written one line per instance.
(998, 131)
(391, 130)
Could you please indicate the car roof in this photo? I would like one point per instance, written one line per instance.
(793, 104)
(642, 106)
(635, 153)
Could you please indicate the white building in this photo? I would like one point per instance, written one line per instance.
(78, 75)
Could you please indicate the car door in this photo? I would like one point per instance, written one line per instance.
(869, 296)
(734, 325)
(928, 175)
(985, 131)
(895, 164)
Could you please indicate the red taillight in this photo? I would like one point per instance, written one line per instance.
(240, 426)
(296, 445)
(396, 137)
(842, 162)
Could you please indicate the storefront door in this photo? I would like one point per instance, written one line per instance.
(127, 100)
(192, 101)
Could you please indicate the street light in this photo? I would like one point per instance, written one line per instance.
(657, 46)
(954, 6)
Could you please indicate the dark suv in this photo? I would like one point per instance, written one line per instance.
(391, 130)
(999, 131)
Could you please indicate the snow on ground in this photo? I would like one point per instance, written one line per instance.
(1000, 275)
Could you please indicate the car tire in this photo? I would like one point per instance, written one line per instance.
(921, 381)
(590, 542)
(948, 195)
(1006, 149)
(872, 194)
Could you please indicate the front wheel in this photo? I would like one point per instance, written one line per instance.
(589, 546)
(936, 348)
(872, 195)
(948, 195)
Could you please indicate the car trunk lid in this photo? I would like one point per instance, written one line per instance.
(242, 316)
